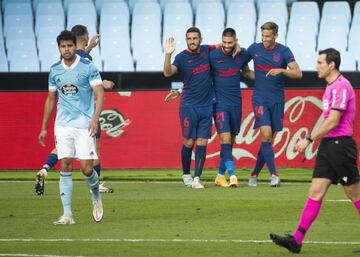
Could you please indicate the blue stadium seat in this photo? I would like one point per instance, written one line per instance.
(348, 62)
(260, 2)
(82, 8)
(163, 3)
(133, 2)
(14, 8)
(37, 2)
(245, 29)
(241, 9)
(354, 42)
(17, 21)
(86, 20)
(4, 66)
(16, 47)
(271, 9)
(210, 12)
(227, 3)
(68, 2)
(306, 60)
(147, 8)
(100, 3)
(308, 9)
(15, 33)
(151, 62)
(49, 58)
(334, 8)
(332, 38)
(49, 33)
(195, 3)
(5, 2)
(24, 62)
(114, 14)
(335, 20)
(50, 8)
(211, 33)
(119, 62)
(299, 40)
(114, 39)
(48, 23)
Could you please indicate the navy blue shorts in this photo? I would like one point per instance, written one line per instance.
(196, 121)
(228, 119)
(267, 114)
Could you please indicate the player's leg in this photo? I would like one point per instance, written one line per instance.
(203, 133)
(97, 166)
(86, 153)
(41, 175)
(187, 128)
(66, 153)
(221, 118)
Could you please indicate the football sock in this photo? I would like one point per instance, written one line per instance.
(200, 156)
(226, 153)
(269, 156)
(97, 168)
(309, 214)
(222, 167)
(93, 183)
(186, 159)
(357, 205)
(51, 161)
(66, 188)
(260, 161)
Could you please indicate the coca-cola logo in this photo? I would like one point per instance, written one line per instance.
(302, 116)
(113, 122)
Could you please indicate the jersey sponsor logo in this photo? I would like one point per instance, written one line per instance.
(276, 57)
(229, 73)
(219, 61)
(189, 60)
(69, 89)
(257, 55)
(325, 105)
(201, 69)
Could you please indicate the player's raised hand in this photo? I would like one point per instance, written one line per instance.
(94, 41)
(170, 45)
(42, 137)
(172, 95)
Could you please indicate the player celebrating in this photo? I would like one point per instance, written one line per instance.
(84, 48)
(228, 107)
(75, 82)
(337, 153)
(196, 100)
(271, 61)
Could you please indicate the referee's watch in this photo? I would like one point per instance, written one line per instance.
(308, 138)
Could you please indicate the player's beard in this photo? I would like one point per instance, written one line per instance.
(192, 49)
(229, 50)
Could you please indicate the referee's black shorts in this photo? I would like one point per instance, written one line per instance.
(337, 160)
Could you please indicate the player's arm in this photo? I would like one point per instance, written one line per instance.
(93, 43)
(169, 69)
(48, 110)
(331, 122)
(247, 73)
(99, 95)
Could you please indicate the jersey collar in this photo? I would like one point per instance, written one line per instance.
(72, 65)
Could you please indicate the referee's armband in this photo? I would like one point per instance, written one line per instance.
(308, 138)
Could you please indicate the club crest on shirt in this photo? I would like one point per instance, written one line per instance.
(276, 57)
(69, 89)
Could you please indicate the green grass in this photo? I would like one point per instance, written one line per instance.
(167, 218)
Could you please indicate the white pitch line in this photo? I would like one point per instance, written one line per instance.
(35, 255)
(340, 200)
(142, 240)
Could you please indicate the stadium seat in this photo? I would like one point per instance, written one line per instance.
(195, 3)
(47, 61)
(307, 9)
(211, 33)
(15, 33)
(25, 62)
(227, 3)
(14, 8)
(119, 62)
(133, 2)
(271, 9)
(49, 22)
(334, 39)
(4, 66)
(114, 40)
(82, 8)
(348, 62)
(14, 47)
(86, 20)
(99, 4)
(18, 21)
(50, 8)
(147, 8)
(151, 62)
(260, 2)
(37, 2)
(143, 48)
(306, 60)
(68, 2)
(301, 40)
(334, 8)
(5, 2)
(163, 3)
(49, 33)
(241, 9)
(178, 12)
(244, 27)
(210, 12)
(339, 21)
(114, 14)
(354, 42)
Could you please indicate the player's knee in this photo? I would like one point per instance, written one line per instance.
(201, 141)
(189, 143)
(316, 193)
(353, 192)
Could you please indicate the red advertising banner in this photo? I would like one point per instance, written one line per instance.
(140, 130)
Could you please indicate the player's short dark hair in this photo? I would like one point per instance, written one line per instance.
(193, 29)
(79, 30)
(270, 26)
(229, 32)
(332, 55)
(66, 35)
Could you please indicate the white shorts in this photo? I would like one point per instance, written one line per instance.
(75, 143)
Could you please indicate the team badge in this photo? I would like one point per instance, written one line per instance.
(276, 57)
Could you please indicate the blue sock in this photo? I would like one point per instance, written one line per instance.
(260, 161)
(269, 156)
(51, 161)
(93, 183)
(226, 153)
(200, 156)
(222, 167)
(66, 188)
(97, 168)
(186, 159)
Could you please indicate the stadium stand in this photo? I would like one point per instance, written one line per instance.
(138, 29)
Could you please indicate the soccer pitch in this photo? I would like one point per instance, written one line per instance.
(152, 214)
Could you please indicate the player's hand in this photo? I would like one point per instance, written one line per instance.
(108, 84)
(170, 45)
(274, 72)
(172, 95)
(42, 137)
(94, 41)
(301, 145)
(93, 127)
(237, 50)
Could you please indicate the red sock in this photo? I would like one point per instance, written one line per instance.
(357, 205)
(309, 214)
